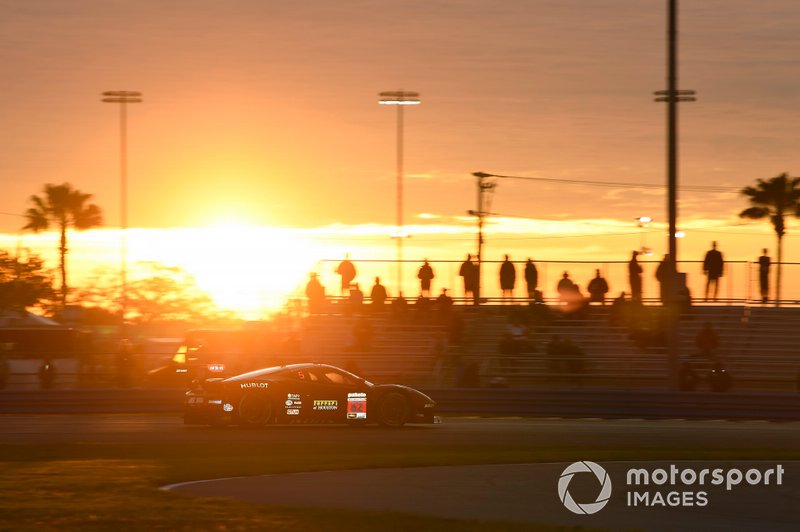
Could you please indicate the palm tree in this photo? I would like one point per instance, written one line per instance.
(774, 199)
(64, 207)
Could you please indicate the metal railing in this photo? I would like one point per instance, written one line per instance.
(738, 285)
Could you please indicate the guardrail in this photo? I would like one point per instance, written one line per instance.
(571, 403)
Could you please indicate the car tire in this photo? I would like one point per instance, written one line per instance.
(393, 410)
(255, 410)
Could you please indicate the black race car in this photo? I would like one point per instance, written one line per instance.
(304, 393)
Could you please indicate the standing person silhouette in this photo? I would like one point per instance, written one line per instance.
(598, 288)
(425, 277)
(378, 295)
(665, 275)
(565, 288)
(315, 293)
(713, 265)
(635, 277)
(508, 278)
(531, 277)
(764, 263)
(348, 273)
(469, 271)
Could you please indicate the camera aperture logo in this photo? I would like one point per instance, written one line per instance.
(602, 497)
(671, 486)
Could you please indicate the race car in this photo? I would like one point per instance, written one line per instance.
(304, 393)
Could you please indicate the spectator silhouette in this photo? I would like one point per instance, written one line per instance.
(531, 277)
(422, 308)
(315, 293)
(565, 288)
(470, 274)
(540, 312)
(400, 307)
(618, 314)
(348, 273)
(356, 299)
(518, 334)
(764, 263)
(47, 374)
(598, 288)
(713, 265)
(378, 295)
(444, 305)
(635, 277)
(665, 275)
(425, 277)
(508, 278)
(707, 341)
(577, 306)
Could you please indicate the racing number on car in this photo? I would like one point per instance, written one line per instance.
(356, 405)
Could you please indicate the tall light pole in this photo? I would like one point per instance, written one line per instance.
(123, 98)
(672, 95)
(400, 99)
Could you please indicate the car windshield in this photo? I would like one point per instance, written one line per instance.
(259, 373)
(301, 371)
(340, 376)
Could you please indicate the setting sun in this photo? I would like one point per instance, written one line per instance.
(244, 268)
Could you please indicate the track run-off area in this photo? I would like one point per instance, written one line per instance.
(491, 467)
(518, 492)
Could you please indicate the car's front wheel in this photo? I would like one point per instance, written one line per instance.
(255, 409)
(393, 410)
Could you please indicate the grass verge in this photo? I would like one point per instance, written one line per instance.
(115, 486)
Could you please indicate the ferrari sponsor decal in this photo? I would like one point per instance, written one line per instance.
(326, 404)
(357, 405)
(254, 385)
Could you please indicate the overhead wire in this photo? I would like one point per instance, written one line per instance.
(649, 186)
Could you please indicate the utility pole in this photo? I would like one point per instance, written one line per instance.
(483, 188)
(672, 96)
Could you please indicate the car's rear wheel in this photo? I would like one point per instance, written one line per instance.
(255, 409)
(393, 410)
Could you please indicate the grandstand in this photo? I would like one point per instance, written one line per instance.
(758, 347)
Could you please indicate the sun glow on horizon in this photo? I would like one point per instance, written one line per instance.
(253, 270)
(249, 269)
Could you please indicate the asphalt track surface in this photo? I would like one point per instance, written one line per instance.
(522, 492)
(559, 433)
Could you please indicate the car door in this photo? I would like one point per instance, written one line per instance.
(339, 396)
(325, 397)
(293, 396)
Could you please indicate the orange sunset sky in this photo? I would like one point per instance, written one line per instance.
(261, 120)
